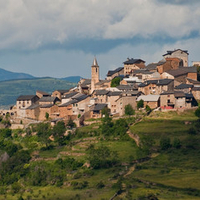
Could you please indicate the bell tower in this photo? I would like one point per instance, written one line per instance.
(94, 74)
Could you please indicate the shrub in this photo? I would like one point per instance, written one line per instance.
(140, 104)
(165, 143)
(129, 110)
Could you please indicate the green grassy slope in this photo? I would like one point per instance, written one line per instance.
(10, 90)
(169, 174)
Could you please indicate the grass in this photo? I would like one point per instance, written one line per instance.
(170, 175)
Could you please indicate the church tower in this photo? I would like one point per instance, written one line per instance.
(94, 74)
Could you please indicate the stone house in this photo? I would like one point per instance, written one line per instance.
(67, 97)
(131, 80)
(153, 101)
(112, 101)
(167, 100)
(179, 76)
(196, 92)
(96, 110)
(191, 72)
(102, 84)
(41, 94)
(156, 86)
(49, 100)
(124, 88)
(128, 97)
(59, 93)
(178, 53)
(65, 110)
(169, 64)
(176, 99)
(114, 73)
(193, 82)
(33, 111)
(84, 86)
(186, 88)
(132, 64)
(100, 95)
(23, 102)
(51, 109)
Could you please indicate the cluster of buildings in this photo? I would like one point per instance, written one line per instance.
(167, 84)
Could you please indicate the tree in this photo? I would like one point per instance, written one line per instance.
(43, 133)
(47, 115)
(148, 109)
(58, 132)
(71, 124)
(165, 143)
(129, 110)
(102, 157)
(115, 81)
(197, 112)
(140, 104)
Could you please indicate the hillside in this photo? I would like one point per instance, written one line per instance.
(10, 90)
(101, 161)
(8, 75)
(73, 79)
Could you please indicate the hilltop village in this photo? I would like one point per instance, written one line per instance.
(166, 85)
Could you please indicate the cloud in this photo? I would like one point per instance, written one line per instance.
(27, 25)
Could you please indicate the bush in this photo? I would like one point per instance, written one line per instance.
(140, 104)
(165, 143)
(176, 143)
(100, 185)
(129, 110)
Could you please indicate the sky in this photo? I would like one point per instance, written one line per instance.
(60, 38)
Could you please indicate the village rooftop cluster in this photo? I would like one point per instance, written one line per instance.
(168, 84)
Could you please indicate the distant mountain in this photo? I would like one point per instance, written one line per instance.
(73, 79)
(12, 89)
(7, 75)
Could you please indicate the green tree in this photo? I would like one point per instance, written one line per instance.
(129, 110)
(165, 143)
(107, 125)
(58, 132)
(148, 109)
(115, 81)
(43, 133)
(176, 143)
(102, 157)
(71, 123)
(47, 115)
(197, 112)
(140, 104)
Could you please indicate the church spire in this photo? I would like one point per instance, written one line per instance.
(95, 62)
